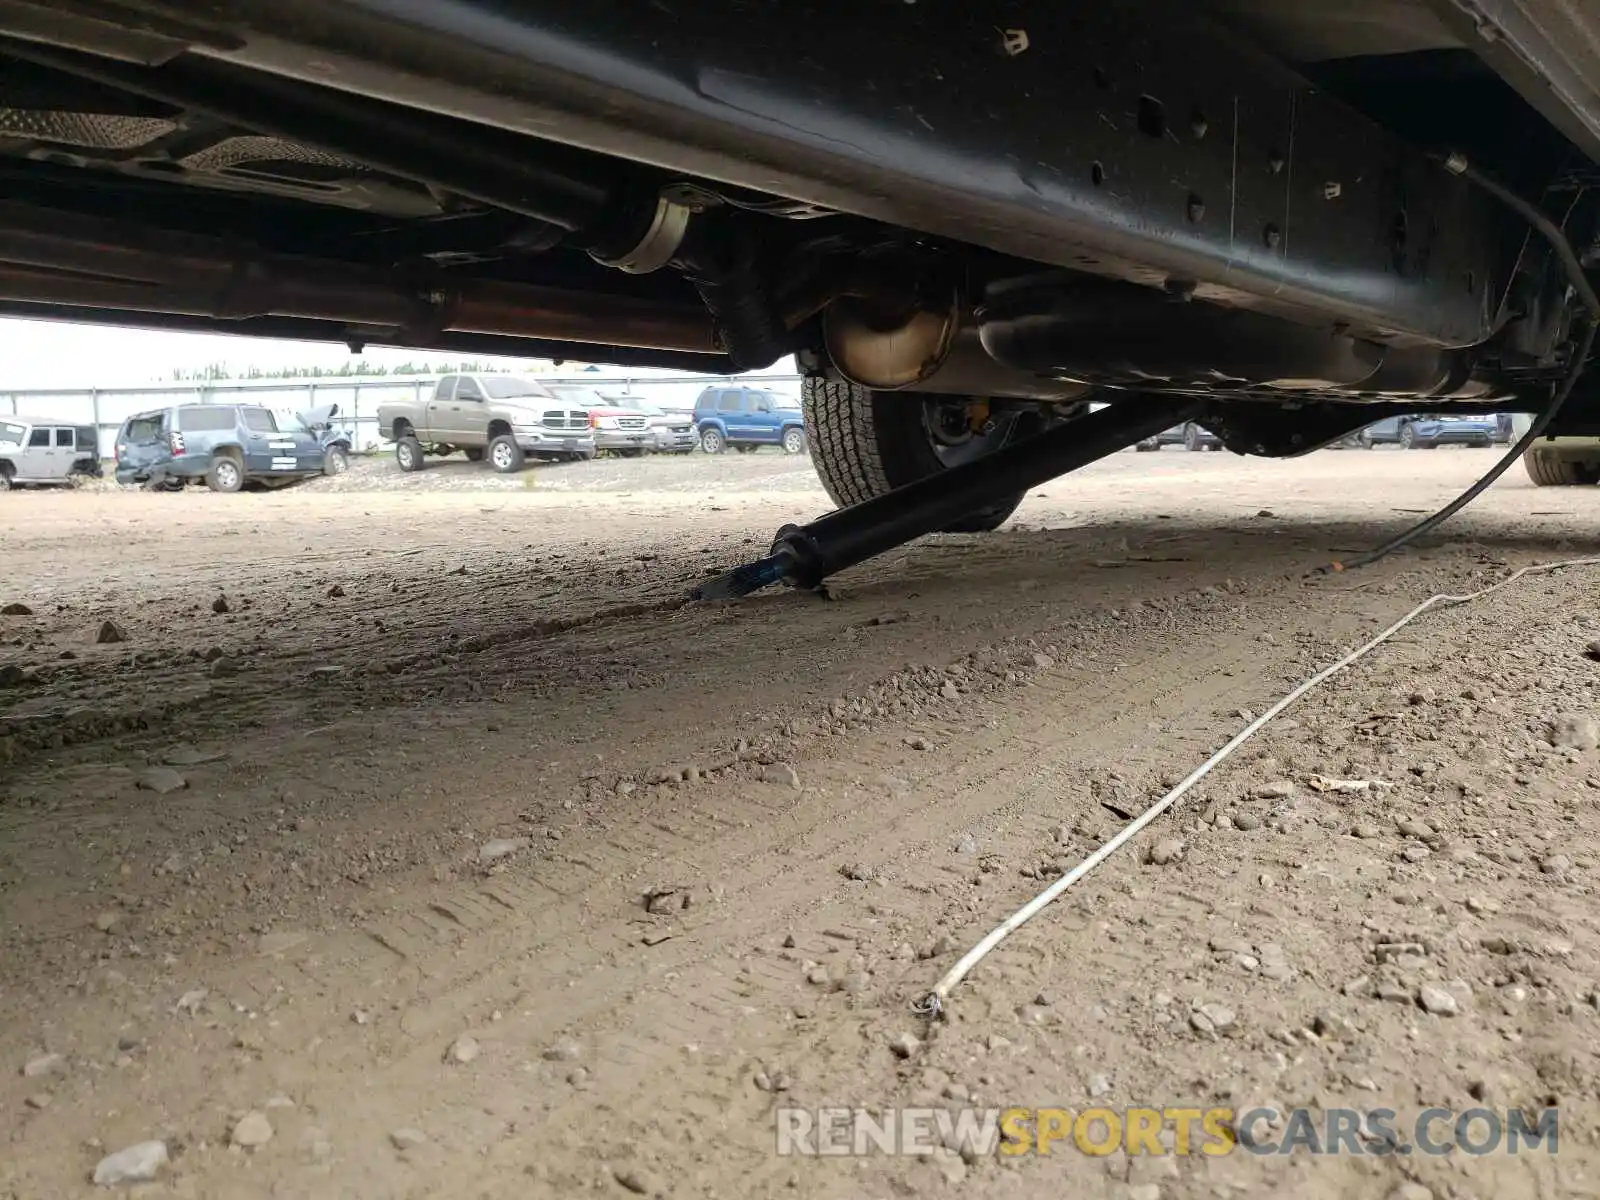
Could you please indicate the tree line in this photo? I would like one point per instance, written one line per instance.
(214, 372)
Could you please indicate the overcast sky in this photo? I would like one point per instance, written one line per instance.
(52, 354)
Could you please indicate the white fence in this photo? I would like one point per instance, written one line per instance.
(358, 398)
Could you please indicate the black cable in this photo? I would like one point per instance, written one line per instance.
(1552, 233)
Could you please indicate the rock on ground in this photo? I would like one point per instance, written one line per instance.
(1165, 852)
(782, 774)
(138, 1163)
(252, 1130)
(497, 848)
(1575, 731)
(1437, 1001)
(162, 780)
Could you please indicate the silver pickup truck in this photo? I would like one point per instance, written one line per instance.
(504, 418)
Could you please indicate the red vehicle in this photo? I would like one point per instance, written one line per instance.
(622, 431)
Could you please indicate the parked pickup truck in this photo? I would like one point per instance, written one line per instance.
(620, 430)
(504, 418)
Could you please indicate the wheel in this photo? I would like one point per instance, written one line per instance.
(474, 453)
(408, 453)
(712, 441)
(1147, 446)
(866, 443)
(1191, 437)
(1408, 437)
(1547, 469)
(631, 452)
(226, 475)
(505, 455)
(335, 461)
(5, 477)
(794, 441)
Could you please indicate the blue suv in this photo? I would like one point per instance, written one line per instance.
(747, 418)
(227, 445)
(1425, 432)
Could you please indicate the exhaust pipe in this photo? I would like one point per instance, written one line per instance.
(50, 257)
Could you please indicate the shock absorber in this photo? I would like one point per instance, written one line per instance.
(805, 555)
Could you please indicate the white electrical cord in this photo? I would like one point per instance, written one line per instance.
(933, 1004)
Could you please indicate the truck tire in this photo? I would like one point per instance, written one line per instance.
(226, 474)
(408, 453)
(504, 455)
(866, 443)
(1552, 470)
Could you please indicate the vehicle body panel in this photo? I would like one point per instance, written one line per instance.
(716, 91)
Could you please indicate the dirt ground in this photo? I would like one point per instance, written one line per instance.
(415, 840)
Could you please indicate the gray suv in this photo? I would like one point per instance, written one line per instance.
(227, 445)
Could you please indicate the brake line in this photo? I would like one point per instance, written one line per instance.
(1457, 164)
(933, 1004)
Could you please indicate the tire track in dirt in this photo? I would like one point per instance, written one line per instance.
(1002, 763)
(991, 776)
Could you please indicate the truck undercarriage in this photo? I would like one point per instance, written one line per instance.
(965, 220)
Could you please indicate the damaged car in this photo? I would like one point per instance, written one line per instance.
(337, 439)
